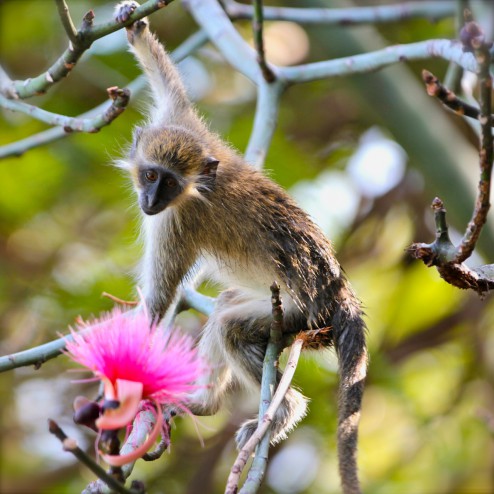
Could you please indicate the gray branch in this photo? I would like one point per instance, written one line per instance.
(434, 10)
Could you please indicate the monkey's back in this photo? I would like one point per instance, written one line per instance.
(250, 216)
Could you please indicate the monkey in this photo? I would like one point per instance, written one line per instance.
(201, 202)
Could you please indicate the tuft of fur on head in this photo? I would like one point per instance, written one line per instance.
(122, 164)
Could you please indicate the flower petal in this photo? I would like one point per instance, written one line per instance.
(119, 460)
(129, 394)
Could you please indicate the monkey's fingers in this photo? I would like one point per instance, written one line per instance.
(315, 339)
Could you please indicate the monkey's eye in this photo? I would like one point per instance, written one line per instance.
(151, 176)
(170, 182)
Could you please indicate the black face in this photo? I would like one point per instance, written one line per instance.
(158, 188)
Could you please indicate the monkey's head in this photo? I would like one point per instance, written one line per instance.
(169, 165)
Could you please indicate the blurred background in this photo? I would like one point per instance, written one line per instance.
(364, 155)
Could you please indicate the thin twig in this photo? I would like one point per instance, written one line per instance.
(268, 386)
(116, 300)
(70, 445)
(68, 25)
(264, 425)
(448, 98)
(454, 74)
(257, 29)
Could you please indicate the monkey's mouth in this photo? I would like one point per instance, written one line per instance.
(152, 209)
(150, 212)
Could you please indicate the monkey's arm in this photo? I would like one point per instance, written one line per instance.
(167, 261)
(172, 104)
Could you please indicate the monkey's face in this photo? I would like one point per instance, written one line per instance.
(169, 165)
(158, 187)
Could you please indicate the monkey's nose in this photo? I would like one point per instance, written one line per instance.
(152, 200)
(150, 204)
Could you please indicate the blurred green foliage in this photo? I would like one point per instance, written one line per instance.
(68, 232)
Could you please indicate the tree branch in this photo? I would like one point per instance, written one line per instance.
(119, 97)
(442, 253)
(39, 355)
(142, 426)
(84, 39)
(268, 387)
(448, 98)
(433, 10)
(482, 204)
(17, 148)
(265, 119)
(251, 485)
(70, 445)
(68, 25)
(368, 62)
(212, 18)
(257, 29)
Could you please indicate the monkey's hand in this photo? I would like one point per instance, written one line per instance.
(122, 14)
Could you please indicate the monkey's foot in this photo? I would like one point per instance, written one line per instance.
(248, 428)
(245, 432)
(124, 10)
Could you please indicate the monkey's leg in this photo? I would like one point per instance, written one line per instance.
(242, 324)
(214, 383)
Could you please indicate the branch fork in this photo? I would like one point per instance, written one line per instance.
(449, 259)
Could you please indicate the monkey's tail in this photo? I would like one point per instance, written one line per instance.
(349, 340)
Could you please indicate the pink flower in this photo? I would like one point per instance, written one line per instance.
(135, 361)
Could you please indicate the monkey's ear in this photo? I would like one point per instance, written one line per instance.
(210, 167)
(135, 140)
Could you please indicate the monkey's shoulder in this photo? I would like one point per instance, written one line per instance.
(242, 181)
